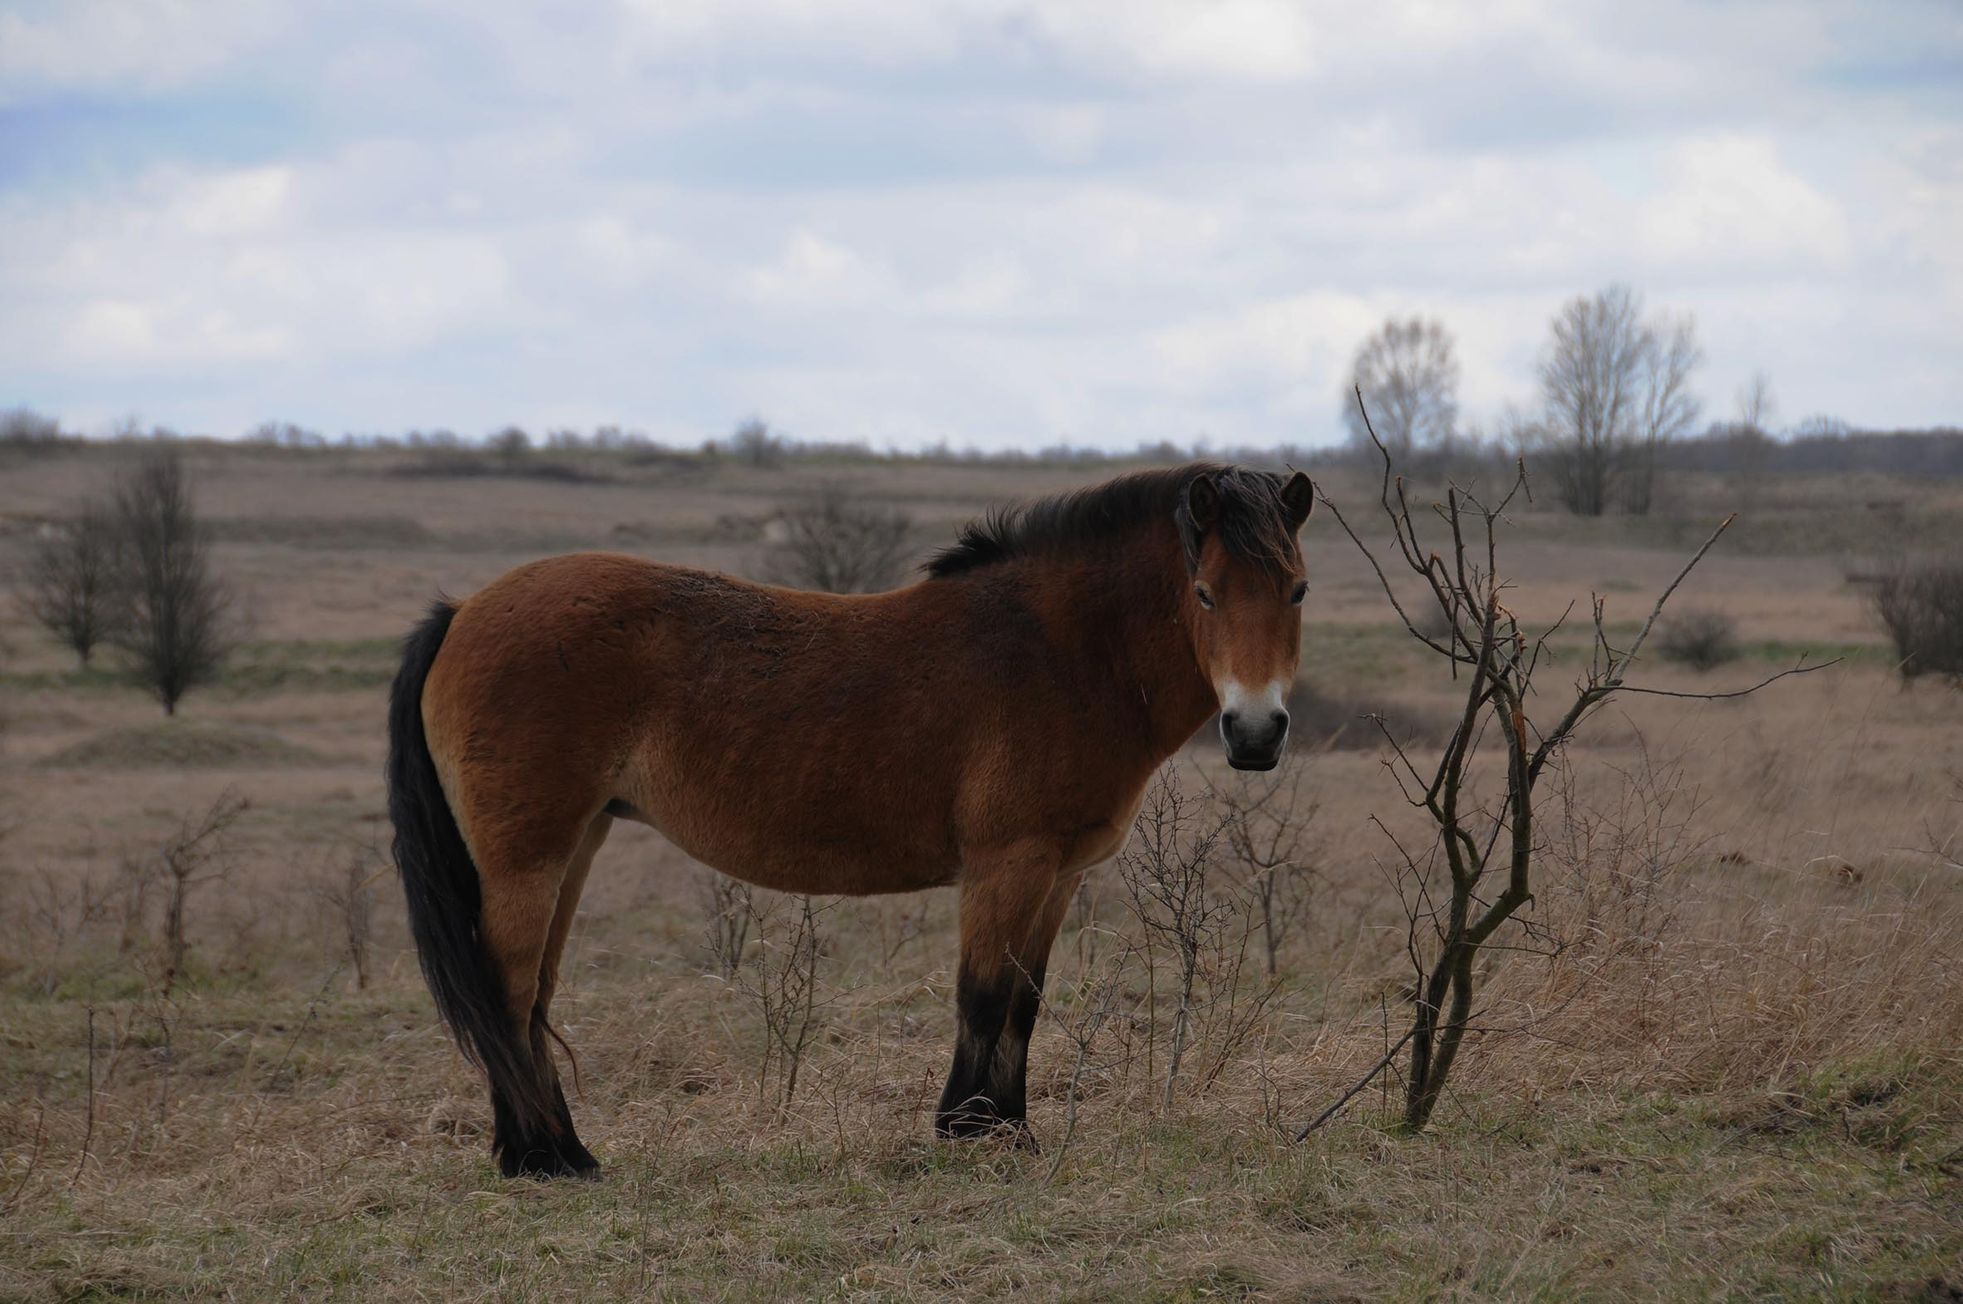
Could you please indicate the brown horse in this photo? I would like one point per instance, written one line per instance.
(993, 726)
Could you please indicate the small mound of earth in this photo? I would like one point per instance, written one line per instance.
(182, 744)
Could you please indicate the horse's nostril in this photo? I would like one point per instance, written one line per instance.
(1279, 719)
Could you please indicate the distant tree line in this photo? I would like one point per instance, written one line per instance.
(1613, 408)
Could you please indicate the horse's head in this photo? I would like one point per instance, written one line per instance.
(1247, 585)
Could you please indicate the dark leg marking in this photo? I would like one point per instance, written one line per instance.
(969, 1104)
(548, 1146)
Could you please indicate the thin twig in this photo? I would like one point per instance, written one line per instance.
(1363, 1082)
(1741, 692)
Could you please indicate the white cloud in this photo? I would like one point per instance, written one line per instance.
(988, 220)
(125, 44)
(1730, 201)
(813, 272)
(233, 203)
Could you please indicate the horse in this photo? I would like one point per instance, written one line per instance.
(992, 726)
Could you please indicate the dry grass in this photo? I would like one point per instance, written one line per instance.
(1724, 1059)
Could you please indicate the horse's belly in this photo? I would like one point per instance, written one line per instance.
(797, 837)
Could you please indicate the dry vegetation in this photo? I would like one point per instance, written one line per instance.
(1717, 1053)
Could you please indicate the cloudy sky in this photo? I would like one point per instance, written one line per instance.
(995, 222)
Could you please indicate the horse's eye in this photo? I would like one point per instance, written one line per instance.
(1205, 595)
(1301, 591)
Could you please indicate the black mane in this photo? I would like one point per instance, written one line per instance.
(1252, 524)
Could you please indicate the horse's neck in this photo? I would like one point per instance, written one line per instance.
(1120, 616)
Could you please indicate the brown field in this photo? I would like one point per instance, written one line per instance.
(1723, 1059)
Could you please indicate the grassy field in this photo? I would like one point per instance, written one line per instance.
(1721, 1059)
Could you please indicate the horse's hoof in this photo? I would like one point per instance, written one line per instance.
(550, 1163)
(978, 1127)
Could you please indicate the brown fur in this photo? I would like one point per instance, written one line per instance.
(994, 726)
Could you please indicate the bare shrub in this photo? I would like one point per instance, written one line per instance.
(71, 584)
(180, 623)
(1266, 825)
(1081, 1009)
(838, 544)
(1702, 640)
(345, 888)
(783, 983)
(1194, 926)
(195, 855)
(1920, 602)
(729, 905)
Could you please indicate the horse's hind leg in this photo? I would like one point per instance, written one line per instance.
(576, 1155)
(1011, 907)
(528, 904)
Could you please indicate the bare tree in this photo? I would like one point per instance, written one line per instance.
(1750, 443)
(70, 584)
(1409, 375)
(24, 428)
(1479, 841)
(755, 444)
(179, 627)
(837, 544)
(511, 445)
(1756, 405)
(1669, 408)
(1613, 388)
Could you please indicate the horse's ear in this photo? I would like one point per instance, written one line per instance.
(1298, 499)
(1203, 502)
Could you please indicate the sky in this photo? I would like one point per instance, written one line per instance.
(997, 223)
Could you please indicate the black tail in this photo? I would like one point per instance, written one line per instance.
(445, 903)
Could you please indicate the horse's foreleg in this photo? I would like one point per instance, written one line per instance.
(1011, 905)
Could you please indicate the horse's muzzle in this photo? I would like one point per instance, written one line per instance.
(1254, 738)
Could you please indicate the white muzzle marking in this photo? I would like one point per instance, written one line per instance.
(1237, 699)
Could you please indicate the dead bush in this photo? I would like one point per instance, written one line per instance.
(1702, 640)
(195, 855)
(1195, 927)
(728, 907)
(345, 888)
(839, 544)
(782, 980)
(1920, 602)
(1266, 825)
